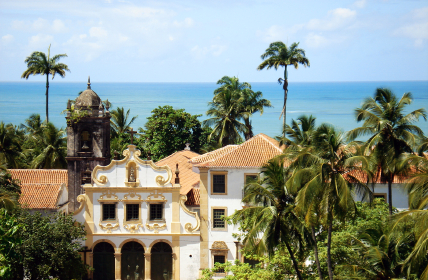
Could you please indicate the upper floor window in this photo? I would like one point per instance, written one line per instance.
(109, 211)
(132, 212)
(219, 183)
(156, 211)
(220, 259)
(218, 221)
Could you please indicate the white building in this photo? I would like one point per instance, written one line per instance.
(137, 222)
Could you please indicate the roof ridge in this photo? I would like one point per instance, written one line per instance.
(166, 157)
(171, 155)
(270, 142)
(223, 154)
(212, 152)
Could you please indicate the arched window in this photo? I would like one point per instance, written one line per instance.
(161, 261)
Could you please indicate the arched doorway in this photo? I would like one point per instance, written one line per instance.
(103, 261)
(132, 261)
(161, 261)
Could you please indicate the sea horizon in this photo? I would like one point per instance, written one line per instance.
(331, 102)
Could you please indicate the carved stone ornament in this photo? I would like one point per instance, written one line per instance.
(188, 226)
(132, 196)
(156, 227)
(82, 200)
(109, 227)
(133, 228)
(132, 178)
(156, 197)
(108, 196)
(219, 245)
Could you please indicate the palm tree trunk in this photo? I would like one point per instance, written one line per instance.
(284, 109)
(329, 266)
(390, 195)
(249, 133)
(317, 261)
(47, 98)
(293, 259)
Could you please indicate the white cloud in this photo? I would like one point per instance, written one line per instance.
(213, 50)
(336, 19)
(415, 26)
(97, 32)
(39, 25)
(187, 22)
(58, 26)
(40, 41)
(319, 40)
(6, 39)
(360, 4)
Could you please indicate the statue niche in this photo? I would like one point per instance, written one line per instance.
(132, 179)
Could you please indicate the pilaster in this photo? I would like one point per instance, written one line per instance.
(203, 185)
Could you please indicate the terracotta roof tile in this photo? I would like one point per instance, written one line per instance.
(253, 153)
(40, 188)
(193, 197)
(40, 196)
(188, 178)
(40, 176)
(214, 154)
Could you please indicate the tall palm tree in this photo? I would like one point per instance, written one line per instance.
(252, 103)
(327, 183)
(39, 63)
(279, 54)
(392, 133)
(271, 215)
(54, 147)
(299, 138)
(120, 122)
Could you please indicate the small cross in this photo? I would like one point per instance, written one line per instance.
(132, 132)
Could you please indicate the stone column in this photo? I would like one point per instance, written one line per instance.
(176, 257)
(147, 266)
(91, 264)
(118, 266)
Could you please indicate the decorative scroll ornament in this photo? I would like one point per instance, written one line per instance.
(133, 228)
(159, 179)
(132, 196)
(156, 227)
(102, 180)
(188, 226)
(82, 200)
(156, 197)
(108, 227)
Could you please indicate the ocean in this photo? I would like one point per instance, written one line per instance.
(332, 102)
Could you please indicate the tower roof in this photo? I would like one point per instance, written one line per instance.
(88, 98)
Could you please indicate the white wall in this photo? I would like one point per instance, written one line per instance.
(235, 185)
(399, 195)
(189, 257)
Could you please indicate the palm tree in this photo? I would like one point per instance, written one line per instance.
(279, 54)
(54, 147)
(299, 138)
(10, 145)
(252, 103)
(227, 112)
(417, 215)
(271, 215)
(392, 133)
(327, 183)
(33, 126)
(38, 63)
(120, 122)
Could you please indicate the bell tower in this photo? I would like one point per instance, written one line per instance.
(88, 140)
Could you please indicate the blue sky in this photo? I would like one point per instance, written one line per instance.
(201, 41)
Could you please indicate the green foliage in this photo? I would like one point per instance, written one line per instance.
(49, 247)
(9, 242)
(168, 130)
(120, 122)
(9, 190)
(75, 115)
(233, 102)
(10, 145)
(278, 267)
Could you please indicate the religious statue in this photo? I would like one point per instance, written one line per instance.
(131, 175)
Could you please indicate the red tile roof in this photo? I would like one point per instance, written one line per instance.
(188, 178)
(362, 176)
(193, 197)
(40, 188)
(253, 153)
